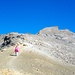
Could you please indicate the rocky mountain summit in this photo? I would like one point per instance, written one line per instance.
(52, 42)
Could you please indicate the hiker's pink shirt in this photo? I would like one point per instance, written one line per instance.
(16, 49)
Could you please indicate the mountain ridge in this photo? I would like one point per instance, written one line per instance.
(56, 43)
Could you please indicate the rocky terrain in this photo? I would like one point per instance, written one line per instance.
(49, 52)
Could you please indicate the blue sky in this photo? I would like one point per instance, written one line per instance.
(30, 16)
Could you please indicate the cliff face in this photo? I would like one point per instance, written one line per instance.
(52, 42)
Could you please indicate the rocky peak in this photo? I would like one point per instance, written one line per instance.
(48, 30)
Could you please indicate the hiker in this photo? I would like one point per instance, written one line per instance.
(16, 50)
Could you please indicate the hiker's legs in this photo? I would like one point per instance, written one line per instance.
(16, 53)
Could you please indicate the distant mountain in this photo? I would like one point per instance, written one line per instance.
(55, 43)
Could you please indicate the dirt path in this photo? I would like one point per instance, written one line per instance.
(7, 58)
(13, 58)
(30, 63)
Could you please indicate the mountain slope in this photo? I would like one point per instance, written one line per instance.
(50, 52)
